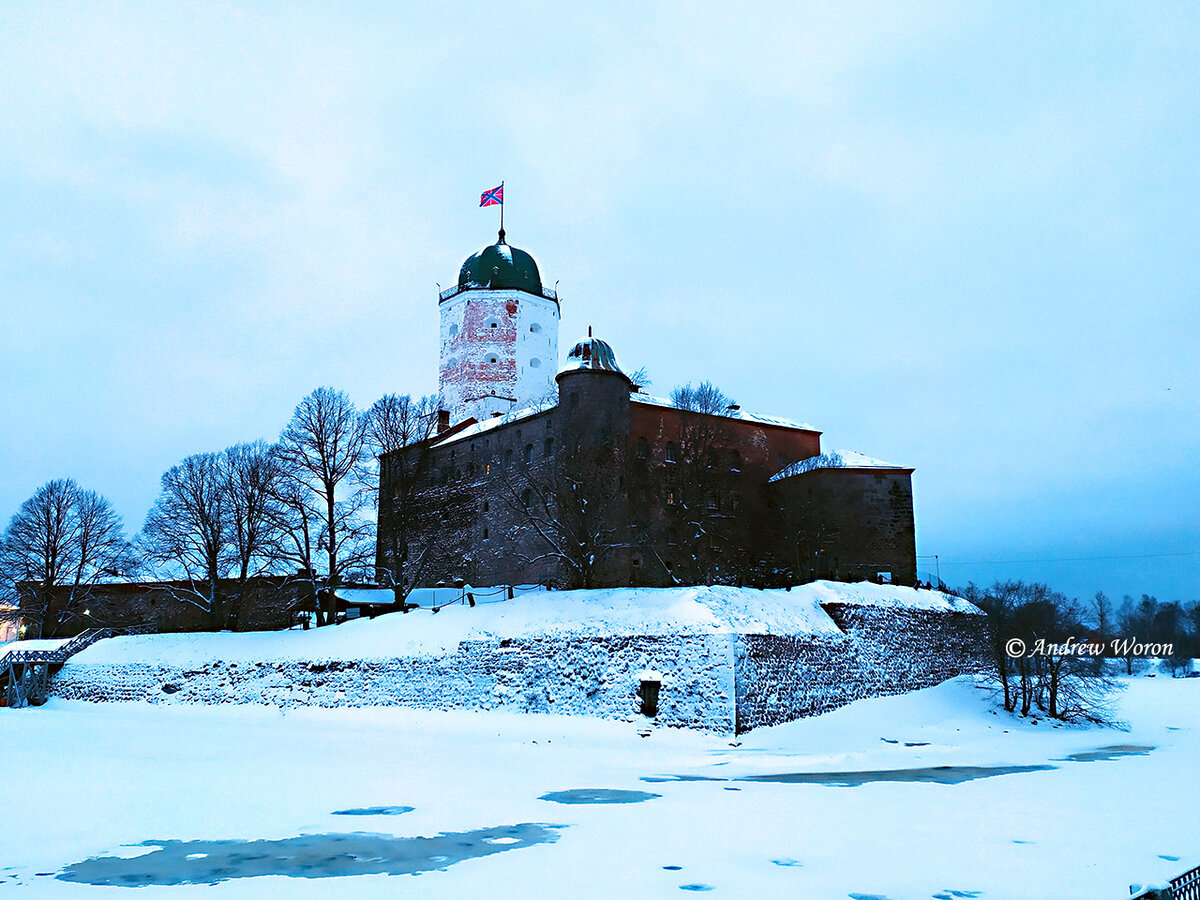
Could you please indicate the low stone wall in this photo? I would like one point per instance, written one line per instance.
(885, 651)
(719, 682)
(597, 677)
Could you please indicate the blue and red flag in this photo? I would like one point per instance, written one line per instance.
(494, 197)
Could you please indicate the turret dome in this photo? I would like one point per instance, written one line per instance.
(593, 355)
(501, 267)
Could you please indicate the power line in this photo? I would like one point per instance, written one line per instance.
(1005, 562)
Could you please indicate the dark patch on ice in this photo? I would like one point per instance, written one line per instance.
(374, 811)
(598, 795)
(787, 862)
(1103, 754)
(672, 868)
(695, 887)
(932, 774)
(1169, 858)
(916, 743)
(306, 856)
(732, 789)
(1022, 842)
(951, 895)
(867, 897)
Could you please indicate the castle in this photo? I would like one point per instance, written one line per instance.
(573, 476)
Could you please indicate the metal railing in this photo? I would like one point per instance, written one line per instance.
(28, 684)
(458, 289)
(1187, 885)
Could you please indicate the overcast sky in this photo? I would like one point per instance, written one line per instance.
(960, 237)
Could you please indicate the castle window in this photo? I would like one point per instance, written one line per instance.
(735, 461)
(508, 458)
(710, 459)
(485, 532)
(535, 328)
(548, 452)
(487, 468)
(669, 453)
(670, 497)
(528, 454)
(492, 358)
(535, 363)
(486, 506)
(453, 331)
(526, 498)
(643, 448)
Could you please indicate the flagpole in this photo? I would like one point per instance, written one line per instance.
(502, 206)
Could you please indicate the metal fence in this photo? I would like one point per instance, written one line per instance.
(1187, 885)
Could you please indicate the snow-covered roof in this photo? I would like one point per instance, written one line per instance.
(836, 459)
(358, 596)
(742, 414)
(513, 415)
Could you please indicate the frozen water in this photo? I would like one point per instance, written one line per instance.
(306, 856)
(598, 795)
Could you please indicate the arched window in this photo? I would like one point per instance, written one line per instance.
(669, 453)
(528, 454)
(493, 358)
(548, 452)
(508, 458)
(643, 448)
(735, 461)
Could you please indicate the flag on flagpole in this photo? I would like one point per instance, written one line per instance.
(494, 197)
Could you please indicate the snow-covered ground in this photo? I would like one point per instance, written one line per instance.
(97, 780)
(608, 612)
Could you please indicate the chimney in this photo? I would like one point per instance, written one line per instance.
(443, 420)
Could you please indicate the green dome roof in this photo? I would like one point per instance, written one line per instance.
(501, 267)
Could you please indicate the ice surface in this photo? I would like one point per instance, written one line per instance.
(96, 778)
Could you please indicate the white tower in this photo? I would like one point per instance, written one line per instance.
(499, 335)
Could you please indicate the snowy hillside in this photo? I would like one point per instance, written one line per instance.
(610, 612)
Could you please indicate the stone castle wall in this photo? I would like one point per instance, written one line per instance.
(724, 683)
(884, 651)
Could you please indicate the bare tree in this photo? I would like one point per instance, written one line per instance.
(322, 450)
(398, 431)
(189, 532)
(705, 397)
(252, 474)
(575, 504)
(1032, 629)
(61, 541)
